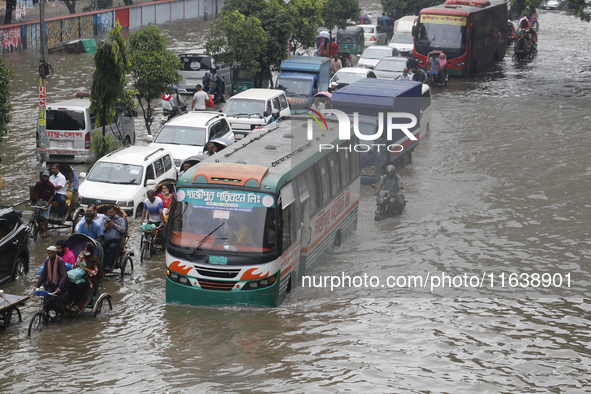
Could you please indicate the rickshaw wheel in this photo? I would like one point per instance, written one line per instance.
(38, 323)
(98, 305)
(126, 265)
(76, 219)
(145, 252)
(34, 228)
(7, 317)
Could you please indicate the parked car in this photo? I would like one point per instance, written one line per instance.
(14, 246)
(123, 177)
(372, 55)
(346, 76)
(553, 5)
(390, 67)
(186, 134)
(374, 35)
(194, 66)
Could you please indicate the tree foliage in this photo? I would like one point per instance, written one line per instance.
(306, 19)
(236, 38)
(581, 8)
(405, 7)
(275, 20)
(109, 77)
(337, 12)
(102, 145)
(6, 75)
(154, 68)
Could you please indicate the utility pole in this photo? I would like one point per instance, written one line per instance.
(43, 68)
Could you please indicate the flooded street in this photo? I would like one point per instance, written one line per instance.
(499, 185)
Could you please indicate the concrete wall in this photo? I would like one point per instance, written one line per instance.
(26, 36)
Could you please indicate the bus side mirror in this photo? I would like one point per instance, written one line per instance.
(415, 31)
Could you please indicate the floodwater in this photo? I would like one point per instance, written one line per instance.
(500, 185)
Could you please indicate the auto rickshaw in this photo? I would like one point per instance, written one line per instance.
(241, 81)
(351, 40)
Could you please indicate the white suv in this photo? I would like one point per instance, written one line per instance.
(185, 135)
(123, 177)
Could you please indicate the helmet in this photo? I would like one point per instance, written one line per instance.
(175, 87)
(390, 168)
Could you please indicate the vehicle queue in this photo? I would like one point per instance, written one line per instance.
(211, 248)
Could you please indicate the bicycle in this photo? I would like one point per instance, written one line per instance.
(150, 241)
(37, 223)
(47, 311)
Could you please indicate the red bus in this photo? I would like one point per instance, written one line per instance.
(471, 33)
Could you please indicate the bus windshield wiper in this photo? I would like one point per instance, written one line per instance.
(206, 238)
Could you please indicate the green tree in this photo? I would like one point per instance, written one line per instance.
(235, 38)
(337, 12)
(6, 75)
(405, 7)
(275, 20)
(582, 9)
(109, 77)
(154, 69)
(306, 19)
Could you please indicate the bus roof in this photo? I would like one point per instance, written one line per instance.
(267, 158)
(461, 7)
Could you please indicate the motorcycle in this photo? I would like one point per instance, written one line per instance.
(169, 114)
(386, 205)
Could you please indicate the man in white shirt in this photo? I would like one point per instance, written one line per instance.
(317, 105)
(61, 189)
(199, 99)
(99, 218)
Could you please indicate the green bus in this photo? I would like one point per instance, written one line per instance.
(247, 223)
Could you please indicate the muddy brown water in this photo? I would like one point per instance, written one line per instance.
(499, 185)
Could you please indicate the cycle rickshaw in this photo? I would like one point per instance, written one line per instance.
(152, 239)
(124, 261)
(52, 305)
(73, 211)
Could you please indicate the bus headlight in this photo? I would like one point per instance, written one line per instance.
(460, 64)
(261, 283)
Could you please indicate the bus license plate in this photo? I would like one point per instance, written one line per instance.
(220, 260)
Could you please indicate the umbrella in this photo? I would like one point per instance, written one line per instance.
(323, 94)
(324, 34)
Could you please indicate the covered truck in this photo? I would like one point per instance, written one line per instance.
(301, 77)
(395, 103)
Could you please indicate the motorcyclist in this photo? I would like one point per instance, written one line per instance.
(392, 182)
(179, 105)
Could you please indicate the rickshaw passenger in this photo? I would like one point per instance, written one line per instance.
(45, 193)
(94, 273)
(54, 277)
(90, 227)
(61, 189)
(66, 254)
(113, 229)
(98, 217)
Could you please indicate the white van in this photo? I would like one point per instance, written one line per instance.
(402, 38)
(186, 135)
(253, 108)
(70, 127)
(425, 110)
(194, 66)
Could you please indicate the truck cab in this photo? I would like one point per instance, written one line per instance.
(301, 77)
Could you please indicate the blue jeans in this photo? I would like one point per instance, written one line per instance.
(61, 200)
(112, 245)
